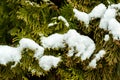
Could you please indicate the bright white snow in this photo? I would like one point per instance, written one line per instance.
(32, 45)
(114, 28)
(98, 11)
(28, 43)
(99, 55)
(83, 45)
(82, 16)
(12, 54)
(64, 20)
(115, 6)
(52, 24)
(109, 14)
(47, 62)
(53, 41)
(9, 54)
(39, 52)
(106, 38)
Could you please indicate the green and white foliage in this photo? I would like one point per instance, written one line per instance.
(39, 39)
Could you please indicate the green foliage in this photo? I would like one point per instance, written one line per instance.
(19, 19)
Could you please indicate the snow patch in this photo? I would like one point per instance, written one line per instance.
(83, 45)
(64, 20)
(109, 14)
(9, 54)
(53, 41)
(52, 24)
(115, 6)
(47, 62)
(98, 11)
(106, 38)
(32, 45)
(99, 55)
(114, 28)
(82, 16)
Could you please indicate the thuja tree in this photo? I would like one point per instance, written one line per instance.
(30, 19)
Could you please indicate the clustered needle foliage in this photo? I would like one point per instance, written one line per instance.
(20, 18)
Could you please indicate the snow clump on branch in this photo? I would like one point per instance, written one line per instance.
(53, 41)
(116, 6)
(114, 28)
(13, 54)
(46, 62)
(99, 55)
(60, 18)
(106, 38)
(98, 11)
(64, 20)
(82, 16)
(52, 24)
(109, 14)
(32, 45)
(9, 54)
(83, 45)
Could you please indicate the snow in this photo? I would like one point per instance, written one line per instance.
(79, 43)
(93, 63)
(47, 62)
(13, 54)
(114, 28)
(83, 45)
(39, 52)
(32, 45)
(89, 47)
(106, 38)
(28, 43)
(82, 16)
(71, 52)
(59, 18)
(53, 41)
(109, 14)
(98, 11)
(9, 54)
(99, 55)
(64, 20)
(52, 24)
(115, 6)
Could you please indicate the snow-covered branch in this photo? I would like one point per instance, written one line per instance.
(83, 45)
(53, 41)
(99, 55)
(98, 11)
(47, 62)
(64, 20)
(82, 16)
(107, 18)
(9, 54)
(32, 45)
(13, 54)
